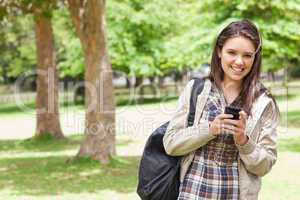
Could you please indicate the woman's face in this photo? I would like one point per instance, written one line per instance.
(237, 57)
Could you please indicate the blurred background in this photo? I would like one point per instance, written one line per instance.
(154, 48)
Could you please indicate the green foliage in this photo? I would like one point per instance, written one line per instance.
(277, 20)
(149, 38)
(17, 47)
(70, 55)
(139, 33)
(294, 71)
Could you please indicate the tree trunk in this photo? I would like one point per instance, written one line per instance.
(161, 81)
(89, 20)
(128, 83)
(138, 81)
(47, 80)
(4, 74)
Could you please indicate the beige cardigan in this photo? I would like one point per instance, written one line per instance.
(256, 157)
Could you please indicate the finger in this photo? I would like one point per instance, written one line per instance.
(231, 122)
(243, 115)
(224, 116)
(229, 127)
(236, 123)
(229, 131)
(237, 132)
(236, 128)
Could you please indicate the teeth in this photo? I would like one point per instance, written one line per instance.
(237, 69)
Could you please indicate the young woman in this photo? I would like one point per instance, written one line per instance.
(225, 158)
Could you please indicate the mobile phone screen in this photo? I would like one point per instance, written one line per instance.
(234, 111)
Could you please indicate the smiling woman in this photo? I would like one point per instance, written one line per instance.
(237, 57)
(236, 62)
(223, 157)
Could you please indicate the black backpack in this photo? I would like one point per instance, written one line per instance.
(158, 171)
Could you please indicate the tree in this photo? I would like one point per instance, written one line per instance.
(89, 21)
(278, 22)
(139, 34)
(47, 79)
(17, 49)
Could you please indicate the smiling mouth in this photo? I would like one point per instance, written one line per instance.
(237, 69)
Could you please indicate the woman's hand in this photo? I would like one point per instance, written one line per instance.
(224, 123)
(216, 126)
(237, 128)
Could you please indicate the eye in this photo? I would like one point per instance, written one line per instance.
(231, 52)
(248, 55)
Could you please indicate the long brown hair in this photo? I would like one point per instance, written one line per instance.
(252, 88)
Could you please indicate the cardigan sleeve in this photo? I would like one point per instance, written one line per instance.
(180, 139)
(259, 157)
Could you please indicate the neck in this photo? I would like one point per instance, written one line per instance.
(231, 85)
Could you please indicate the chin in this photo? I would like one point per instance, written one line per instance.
(237, 78)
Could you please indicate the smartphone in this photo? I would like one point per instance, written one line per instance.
(234, 111)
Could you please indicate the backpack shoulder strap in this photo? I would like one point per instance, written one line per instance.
(196, 90)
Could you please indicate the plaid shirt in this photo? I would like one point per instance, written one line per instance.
(213, 173)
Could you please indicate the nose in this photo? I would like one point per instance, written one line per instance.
(239, 60)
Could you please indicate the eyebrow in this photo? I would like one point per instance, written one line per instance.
(249, 52)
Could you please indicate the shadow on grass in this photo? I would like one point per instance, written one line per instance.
(293, 118)
(53, 175)
(285, 97)
(124, 102)
(289, 144)
(41, 144)
(30, 107)
(137, 101)
(48, 144)
(15, 109)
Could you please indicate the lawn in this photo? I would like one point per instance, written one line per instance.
(289, 106)
(283, 182)
(43, 169)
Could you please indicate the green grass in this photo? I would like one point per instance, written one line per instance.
(283, 181)
(40, 145)
(285, 97)
(38, 168)
(26, 170)
(52, 175)
(293, 118)
(47, 144)
(289, 145)
(14, 109)
(290, 119)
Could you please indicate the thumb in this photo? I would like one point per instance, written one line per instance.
(243, 115)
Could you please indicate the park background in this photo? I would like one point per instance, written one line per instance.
(50, 50)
